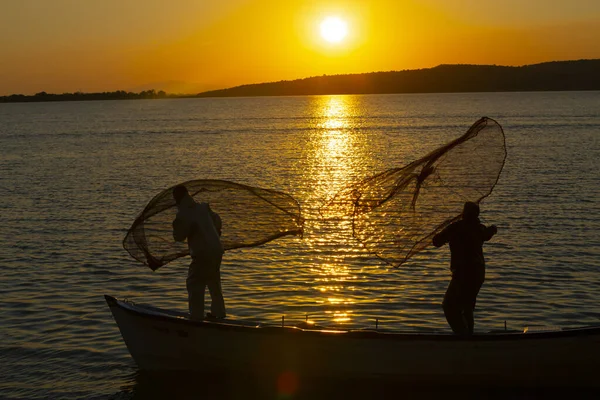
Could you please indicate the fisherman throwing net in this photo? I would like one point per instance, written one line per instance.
(203, 218)
(250, 217)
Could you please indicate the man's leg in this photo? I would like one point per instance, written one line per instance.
(217, 303)
(196, 286)
(453, 310)
(470, 298)
(469, 319)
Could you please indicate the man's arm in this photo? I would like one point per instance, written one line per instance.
(443, 237)
(489, 232)
(217, 221)
(181, 229)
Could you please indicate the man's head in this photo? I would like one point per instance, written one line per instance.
(470, 210)
(179, 192)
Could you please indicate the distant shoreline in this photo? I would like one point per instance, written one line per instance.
(579, 75)
(80, 96)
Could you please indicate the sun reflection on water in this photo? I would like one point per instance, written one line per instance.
(334, 145)
(337, 155)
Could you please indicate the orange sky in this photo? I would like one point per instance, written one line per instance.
(193, 45)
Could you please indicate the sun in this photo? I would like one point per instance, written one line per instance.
(334, 29)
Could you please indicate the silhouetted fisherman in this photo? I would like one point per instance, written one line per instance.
(197, 223)
(466, 238)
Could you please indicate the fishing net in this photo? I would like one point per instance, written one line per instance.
(250, 217)
(396, 213)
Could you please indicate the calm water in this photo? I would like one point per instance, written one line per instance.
(74, 175)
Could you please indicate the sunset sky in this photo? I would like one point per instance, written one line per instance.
(194, 45)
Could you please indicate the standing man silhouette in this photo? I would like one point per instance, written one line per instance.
(466, 238)
(197, 223)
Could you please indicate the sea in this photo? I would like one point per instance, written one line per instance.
(74, 175)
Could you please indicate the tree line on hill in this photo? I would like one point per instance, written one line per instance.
(79, 96)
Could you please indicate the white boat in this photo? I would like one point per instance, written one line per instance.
(163, 340)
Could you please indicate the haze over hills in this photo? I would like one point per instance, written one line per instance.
(549, 76)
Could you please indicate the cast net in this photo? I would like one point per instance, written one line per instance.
(396, 213)
(250, 217)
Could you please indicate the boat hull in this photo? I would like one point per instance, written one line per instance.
(162, 342)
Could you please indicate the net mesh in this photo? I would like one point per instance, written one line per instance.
(396, 213)
(250, 217)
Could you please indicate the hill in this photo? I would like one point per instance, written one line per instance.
(549, 76)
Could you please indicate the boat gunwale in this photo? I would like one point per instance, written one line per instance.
(357, 334)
